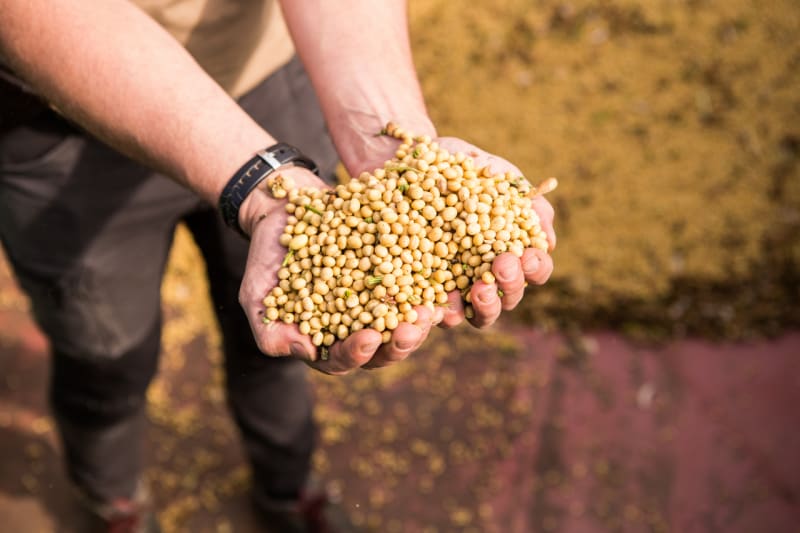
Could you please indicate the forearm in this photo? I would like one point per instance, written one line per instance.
(113, 70)
(359, 59)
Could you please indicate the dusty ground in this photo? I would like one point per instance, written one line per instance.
(673, 127)
(504, 431)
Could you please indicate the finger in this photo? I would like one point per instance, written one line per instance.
(280, 339)
(543, 208)
(405, 339)
(437, 314)
(486, 304)
(454, 312)
(510, 280)
(537, 265)
(351, 353)
(426, 319)
(546, 214)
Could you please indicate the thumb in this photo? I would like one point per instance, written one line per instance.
(279, 339)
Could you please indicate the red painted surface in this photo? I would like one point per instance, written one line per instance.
(688, 437)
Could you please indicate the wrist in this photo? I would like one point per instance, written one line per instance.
(360, 144)
(255, 207)
(260, 202)
(263, 166)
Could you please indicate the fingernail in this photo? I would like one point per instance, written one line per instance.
(486, 296)
(403, 344)
(369, 347)
(298, 350)
(505, 274)
(531, 264)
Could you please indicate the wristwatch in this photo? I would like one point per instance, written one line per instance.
(254, 172)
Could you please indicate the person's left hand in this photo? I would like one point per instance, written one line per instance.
(511, 272)
(264, 219)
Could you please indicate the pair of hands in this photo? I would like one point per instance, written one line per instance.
(364, 348)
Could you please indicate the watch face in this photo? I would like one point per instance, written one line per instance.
(270, 159)
(253, 173)
(284, 154)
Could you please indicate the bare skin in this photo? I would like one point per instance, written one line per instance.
(112, 69)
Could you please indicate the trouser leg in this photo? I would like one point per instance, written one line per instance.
(99, 409)
(87, 233)
(269, 397)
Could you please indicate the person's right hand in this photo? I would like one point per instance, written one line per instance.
(511, 273)
(264, 218)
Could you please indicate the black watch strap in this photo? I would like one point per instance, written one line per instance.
(254, 172)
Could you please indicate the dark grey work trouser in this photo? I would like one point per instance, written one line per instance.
(87, 232)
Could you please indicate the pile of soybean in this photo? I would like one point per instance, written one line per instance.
(364, 254)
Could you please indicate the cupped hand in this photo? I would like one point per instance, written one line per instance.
(511, 272)
(265, 218)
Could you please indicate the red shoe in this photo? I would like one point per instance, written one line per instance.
(317, 511)
(119, 516)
